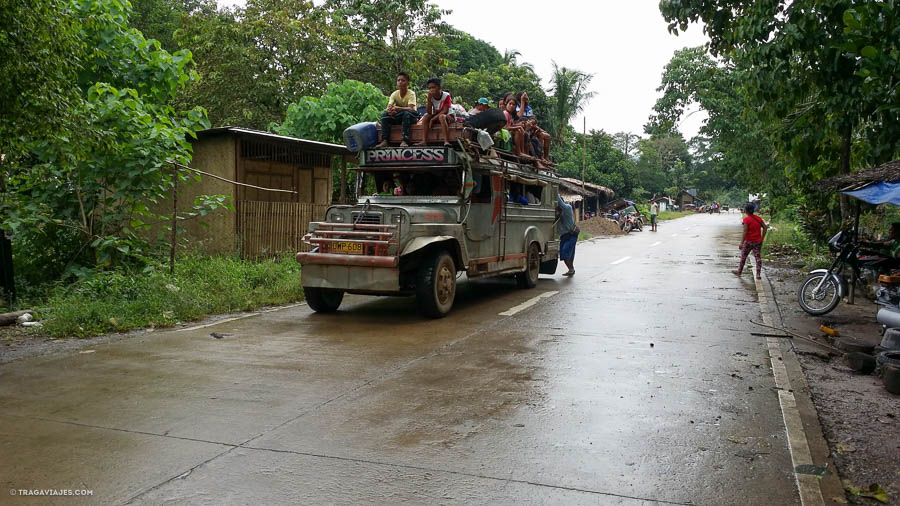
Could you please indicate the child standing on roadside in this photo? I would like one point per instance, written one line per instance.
(754, 232)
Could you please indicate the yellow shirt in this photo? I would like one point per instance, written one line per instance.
(408, 100)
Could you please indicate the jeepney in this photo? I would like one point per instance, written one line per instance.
(463, 210)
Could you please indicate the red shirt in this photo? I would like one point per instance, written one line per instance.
(754, 228)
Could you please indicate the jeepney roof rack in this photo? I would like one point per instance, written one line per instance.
(438, 156)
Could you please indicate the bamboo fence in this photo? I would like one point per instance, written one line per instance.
(267, 229)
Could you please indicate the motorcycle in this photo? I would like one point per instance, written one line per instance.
(823, 289)
(628, 223)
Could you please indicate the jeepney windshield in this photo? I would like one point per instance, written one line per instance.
(410, 183)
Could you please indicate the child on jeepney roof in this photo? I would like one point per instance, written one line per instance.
(535, 133)
(517, 130)
(437, 108)
(401, 109)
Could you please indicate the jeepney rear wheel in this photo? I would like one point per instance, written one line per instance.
(436, 285)
(529, 278)
(323, 300)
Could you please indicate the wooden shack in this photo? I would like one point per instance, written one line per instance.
(278, 185)
(589, 195)
(686, 197)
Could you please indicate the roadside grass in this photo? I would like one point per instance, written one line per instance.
(118, 301)
(785, 240)
(583, 236)
(674, 215)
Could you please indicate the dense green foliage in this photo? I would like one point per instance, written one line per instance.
(119, 300)
(79, 183)
(816, 79)
(325, 118)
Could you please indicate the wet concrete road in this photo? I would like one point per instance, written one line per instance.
(637, 381)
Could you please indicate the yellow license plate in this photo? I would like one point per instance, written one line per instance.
(347, 248)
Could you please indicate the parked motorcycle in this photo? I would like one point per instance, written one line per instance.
(823, 289)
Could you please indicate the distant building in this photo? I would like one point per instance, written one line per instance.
(665, 203)
(592, 197)
(686, 197)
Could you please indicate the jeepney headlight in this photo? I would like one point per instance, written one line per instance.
(396, 218)
(337, 218)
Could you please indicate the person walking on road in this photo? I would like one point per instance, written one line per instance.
(754, 232)
(568, 235)
(654, 215)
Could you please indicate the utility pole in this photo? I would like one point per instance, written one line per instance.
(583, 166)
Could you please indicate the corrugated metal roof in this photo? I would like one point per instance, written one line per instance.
(316, 146)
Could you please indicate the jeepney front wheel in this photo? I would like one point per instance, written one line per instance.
(323, 300)
(529, 277)
(436, 285)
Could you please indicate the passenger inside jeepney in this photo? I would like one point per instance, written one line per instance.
(516, 197)
(531, 193)
(424, 183)
(387, 188)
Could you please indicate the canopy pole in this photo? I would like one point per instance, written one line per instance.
(851, 298)
(343, 180)
(583, 166)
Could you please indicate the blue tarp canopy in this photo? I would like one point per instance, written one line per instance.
(877, 193)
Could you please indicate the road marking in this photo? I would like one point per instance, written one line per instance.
(623, 259)
(807, 484)
(226, 320)
(528, 303)
(674, 235)
(657, 243)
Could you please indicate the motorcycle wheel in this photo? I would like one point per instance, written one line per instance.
(822, 302)
(627, 227)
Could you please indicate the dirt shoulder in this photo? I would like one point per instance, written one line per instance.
(17, 343)
(859, 418)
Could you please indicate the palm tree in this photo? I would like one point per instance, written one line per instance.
(570, 95)
(510, 56)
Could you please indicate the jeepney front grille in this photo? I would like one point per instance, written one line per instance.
(366, 219)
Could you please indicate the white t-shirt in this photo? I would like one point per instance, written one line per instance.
(654, 209)
(437, 104)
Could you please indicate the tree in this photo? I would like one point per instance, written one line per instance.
(496, 81)
(626, 142)
(570, 95)
(385, 38)
(471, 53)
(802, 61)
(733, 141)
(256, 60)
(605, 165)
(82, 199)
(39, 60)
(160, 19)
(325, 118)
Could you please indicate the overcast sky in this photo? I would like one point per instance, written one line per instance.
(624, 43)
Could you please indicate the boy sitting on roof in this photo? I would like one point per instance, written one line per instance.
(401, 109)
(480, 106)
(437, 107)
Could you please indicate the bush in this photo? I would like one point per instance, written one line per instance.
(122, 300)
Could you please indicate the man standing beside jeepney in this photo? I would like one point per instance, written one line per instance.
(568, 235)
(401, 109)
